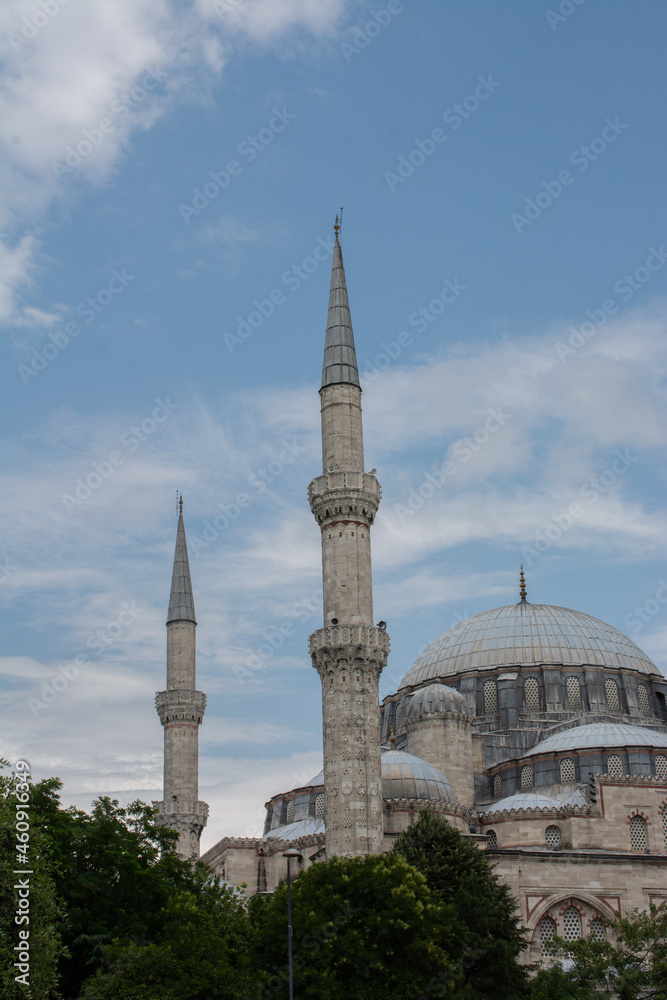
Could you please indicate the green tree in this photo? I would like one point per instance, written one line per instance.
(26, 851)
(365, 928)
(201, 952)
(484, 934)
(630, 966)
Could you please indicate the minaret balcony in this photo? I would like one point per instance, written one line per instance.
(371, 636)
(344, 493)
(185, 810)
(180, 705)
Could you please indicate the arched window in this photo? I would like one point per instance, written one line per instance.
(644, 704)
(567, 770)
(573, 688)
(490, 698)
(597, 932)
(660, 765)
(526, 777)
(611, 690)
(492, 842)
(531, 693)
(638, 833)
(552, 838)
(664, 823)
(572, 924)
(319, 805)
(289, 815)
(615, 765)
(497, 787)
(547, 932)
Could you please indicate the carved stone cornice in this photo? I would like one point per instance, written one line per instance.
(344, 495)
(181, 813)
(369, 643)
(180, 705)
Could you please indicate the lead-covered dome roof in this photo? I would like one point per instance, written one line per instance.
(436, 698)
(526, 635)
(405, 776)
(600, 735)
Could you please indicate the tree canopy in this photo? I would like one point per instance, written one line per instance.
(631, 964)
(365, 928)
(484, 934)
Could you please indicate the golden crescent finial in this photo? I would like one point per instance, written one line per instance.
(522, 585)
(392, 739)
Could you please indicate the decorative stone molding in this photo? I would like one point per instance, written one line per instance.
(356, 638)
(180, 705)
(346, 495)
(182, 810)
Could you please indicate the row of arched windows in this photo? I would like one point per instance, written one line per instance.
(531, 694)
(571, 928)
(614, 768)
(638, 834)
(319, 808)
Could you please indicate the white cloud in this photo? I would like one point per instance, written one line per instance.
(79, 82)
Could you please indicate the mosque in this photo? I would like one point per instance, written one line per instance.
(537, 731)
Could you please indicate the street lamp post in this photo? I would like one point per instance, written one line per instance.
(290, 853)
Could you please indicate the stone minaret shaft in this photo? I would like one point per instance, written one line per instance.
(350, 652)
(181, 709)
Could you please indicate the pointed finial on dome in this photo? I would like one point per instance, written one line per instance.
(392, 739)
(522, 584)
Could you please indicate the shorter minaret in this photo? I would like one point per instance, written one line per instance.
(181, 709)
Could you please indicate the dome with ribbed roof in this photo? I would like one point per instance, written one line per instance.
(436, 698)
(600, 735)
(527, 635)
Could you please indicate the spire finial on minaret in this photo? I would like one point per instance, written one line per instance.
(181, 601)
(340, 359)
(522, 584)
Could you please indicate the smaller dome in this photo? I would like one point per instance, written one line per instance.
(600, 735)
(405, 776)
(523, 800)
(436, 698)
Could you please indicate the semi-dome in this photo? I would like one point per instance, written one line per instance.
(596, 735)
(527, 635)
(436, 698)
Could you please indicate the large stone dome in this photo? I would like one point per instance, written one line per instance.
(526, 635)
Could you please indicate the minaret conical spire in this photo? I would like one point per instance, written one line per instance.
(340, 359)
(181, 600)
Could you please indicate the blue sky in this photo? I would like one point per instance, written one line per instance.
(500, 168)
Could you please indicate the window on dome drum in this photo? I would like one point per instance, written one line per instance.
(644, 704)
(526, 777)
(597, 932)
(638, 833)
(611, 690)
(492, 842)
(615, 765)
(660, 766)
(289, 815)
(573, 693)
(490, 698)
(531, 693)
(497, 787)
(319, 805)
(547, 932)
(572, 924)
(567, 770)
(552, 838)
(664, 824)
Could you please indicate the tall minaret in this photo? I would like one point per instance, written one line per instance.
(350, 652)
(181, 709)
